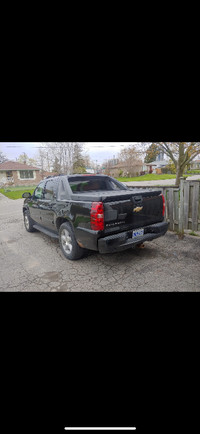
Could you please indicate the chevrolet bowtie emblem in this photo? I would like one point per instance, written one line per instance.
(139, 208)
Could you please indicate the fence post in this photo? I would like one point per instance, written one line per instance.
(195, 205)
(181, 207)
(171, 209)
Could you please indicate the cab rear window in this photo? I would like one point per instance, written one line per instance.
(84, 185)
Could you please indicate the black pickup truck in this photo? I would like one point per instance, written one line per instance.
(94, 212)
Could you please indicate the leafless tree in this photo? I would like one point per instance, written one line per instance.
(181, 153)
(61, 152)
(2, 157)
(130, 156)
(107, 165)
(24, 158)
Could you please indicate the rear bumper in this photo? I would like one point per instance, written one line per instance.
(124, 240)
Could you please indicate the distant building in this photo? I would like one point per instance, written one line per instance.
(90, 170)
(44, 174)
(194, 165)
(160, 156)
(14, 173)
(122, 169)
(113, 161)
(156, 166)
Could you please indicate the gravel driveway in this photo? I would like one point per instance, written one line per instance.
(34, 262)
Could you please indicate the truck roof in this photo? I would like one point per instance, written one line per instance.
(77, 175)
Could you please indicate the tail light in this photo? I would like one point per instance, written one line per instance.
(163, 199)
(97, 216)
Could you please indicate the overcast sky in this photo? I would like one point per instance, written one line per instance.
(99, 151)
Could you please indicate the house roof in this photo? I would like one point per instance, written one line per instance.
(45, 173)
(14, 165)
(151, 164)
(158, 163)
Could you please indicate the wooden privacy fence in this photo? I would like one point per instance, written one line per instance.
(182, 205)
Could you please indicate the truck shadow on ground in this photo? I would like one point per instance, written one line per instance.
(174, 250)
(124, 256)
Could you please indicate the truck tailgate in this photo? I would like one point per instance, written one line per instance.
(132, 210)
(127, 209)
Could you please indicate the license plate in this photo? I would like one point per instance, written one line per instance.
(138, 233)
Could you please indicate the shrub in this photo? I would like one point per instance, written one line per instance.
(164, 170)
(169, 168)
(193, 233)
(194, 171)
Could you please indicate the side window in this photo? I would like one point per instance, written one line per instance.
(38, 193)
(115, 186)
(49, 190)
(62, 192)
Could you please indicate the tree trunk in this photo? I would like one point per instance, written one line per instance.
(180, 165)
(179, 174)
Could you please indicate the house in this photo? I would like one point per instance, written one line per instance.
(44, 174)
(90, 170)
(122, 169)
(156, 166)
(194, 165)
(14, 173)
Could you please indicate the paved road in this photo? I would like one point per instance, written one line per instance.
(162, 182)
(34, 262)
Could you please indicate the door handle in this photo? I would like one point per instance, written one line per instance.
(137, 200)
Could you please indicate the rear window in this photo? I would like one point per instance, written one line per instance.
(84, 184)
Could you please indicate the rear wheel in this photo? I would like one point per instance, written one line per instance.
(68, 244)
(28, 222)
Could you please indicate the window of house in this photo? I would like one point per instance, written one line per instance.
(26, 174)
(9, 174)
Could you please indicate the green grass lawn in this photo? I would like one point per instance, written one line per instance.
(16, 192)
(149, 177)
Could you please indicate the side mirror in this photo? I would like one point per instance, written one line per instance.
(25, 195)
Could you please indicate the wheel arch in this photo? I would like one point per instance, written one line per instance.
(25, 208)
(61, 220)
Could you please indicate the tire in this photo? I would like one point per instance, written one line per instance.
(28, 222)
(68, 244)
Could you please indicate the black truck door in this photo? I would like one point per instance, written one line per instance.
(34, 204)
(47, 206)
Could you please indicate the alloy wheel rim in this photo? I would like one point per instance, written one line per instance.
(26, 220)
(66, 241)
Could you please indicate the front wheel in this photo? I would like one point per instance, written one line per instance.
(28, 222)
(68, 243)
